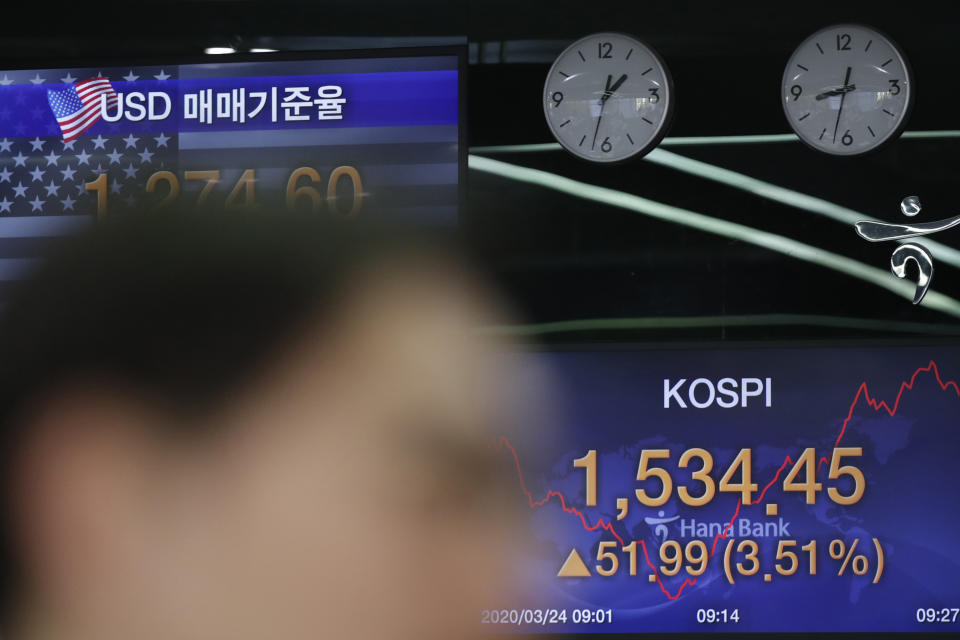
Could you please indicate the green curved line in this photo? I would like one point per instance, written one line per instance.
(693, 322)
(789, 197)
(757, 187)
(925, 135)
(676, 215)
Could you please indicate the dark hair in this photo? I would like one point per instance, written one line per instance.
(180, 307)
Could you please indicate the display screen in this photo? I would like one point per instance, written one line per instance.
(794, 489)
(349, 135)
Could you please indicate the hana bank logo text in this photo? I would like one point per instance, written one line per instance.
(700, 529)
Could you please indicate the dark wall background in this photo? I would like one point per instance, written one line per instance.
(566, 258)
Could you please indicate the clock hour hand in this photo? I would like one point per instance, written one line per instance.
(839, 91)
(612, 88)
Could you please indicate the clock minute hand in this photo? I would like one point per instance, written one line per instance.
(603, 101)
(836, 127)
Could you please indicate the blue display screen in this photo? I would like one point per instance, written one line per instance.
(345, 135)
(794, 489)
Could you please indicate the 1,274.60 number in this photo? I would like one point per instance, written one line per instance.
(300, 186)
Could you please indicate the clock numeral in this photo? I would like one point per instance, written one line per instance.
(654, 96)
(796, 90)
(605, 50)
(606, 146)
(847, 139)
(557, 98)
(843, 42)
(894, 87)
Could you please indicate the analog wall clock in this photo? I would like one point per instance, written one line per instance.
(847, 90)
(608, 97)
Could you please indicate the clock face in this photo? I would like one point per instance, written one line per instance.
(608, 98)
(846, 90)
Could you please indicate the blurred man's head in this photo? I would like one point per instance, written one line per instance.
(249, 428)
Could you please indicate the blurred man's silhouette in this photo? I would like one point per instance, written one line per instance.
(254, 427)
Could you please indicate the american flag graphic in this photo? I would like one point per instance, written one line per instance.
(408, 172)
(79, 106)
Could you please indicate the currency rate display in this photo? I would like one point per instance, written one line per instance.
(348, 133)
(742, 490)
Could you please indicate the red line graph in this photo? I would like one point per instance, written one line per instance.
(862, 392)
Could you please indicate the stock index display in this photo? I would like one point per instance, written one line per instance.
(741, 490)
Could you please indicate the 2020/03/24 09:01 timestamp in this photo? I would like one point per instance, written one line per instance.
(545, 617)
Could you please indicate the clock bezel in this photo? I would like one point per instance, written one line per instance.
(894, 133)
(665, 122)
